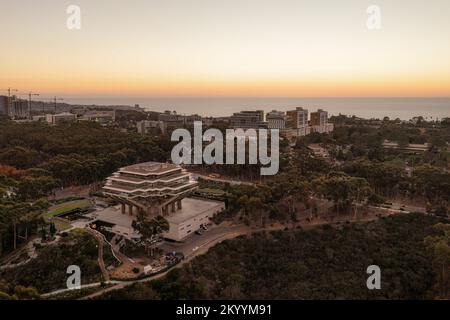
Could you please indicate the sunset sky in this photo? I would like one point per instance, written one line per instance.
(226, 48)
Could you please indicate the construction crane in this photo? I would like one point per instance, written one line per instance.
(57, 99)
(9, 90)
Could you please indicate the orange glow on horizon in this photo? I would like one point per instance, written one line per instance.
(383, 86)
(283, 48)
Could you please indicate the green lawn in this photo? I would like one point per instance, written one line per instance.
(212, 191)
(61, 226)
(64, 207)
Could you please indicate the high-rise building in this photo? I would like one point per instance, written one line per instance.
(319, 122)
(276, 119)
(248, 120)
(4, 105)
(19, 109)
(319, 118)
(297, 119)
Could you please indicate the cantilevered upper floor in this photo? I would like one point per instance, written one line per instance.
(149, 180)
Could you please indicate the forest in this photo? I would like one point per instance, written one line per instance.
(322, 263)
(36, 159)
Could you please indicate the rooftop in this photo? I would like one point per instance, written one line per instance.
(123, 222)
(192, 207)
(150, 168)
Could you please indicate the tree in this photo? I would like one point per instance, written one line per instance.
(149, 229)
(52, 229)
(440, 248)
(343, 190)
(28, 293)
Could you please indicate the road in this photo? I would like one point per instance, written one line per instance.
(191, 250)
(195, 242)
(196, 245)
(230, 181)
(201, 244)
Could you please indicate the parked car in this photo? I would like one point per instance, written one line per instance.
(174, 257)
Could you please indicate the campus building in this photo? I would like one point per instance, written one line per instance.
(14, 108)
(102, 117)
(4, 105)
(152, 187)
(60, 117)
(248, 120)
(276, 120)
(297, 119)
(174, 120)
(194, 214)
(296, 123)
(151, 126)
(20, 109)
(319, 122)
(157, 189)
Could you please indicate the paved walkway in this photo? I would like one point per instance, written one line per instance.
(199, 244)
(30, 249)
(101, 241)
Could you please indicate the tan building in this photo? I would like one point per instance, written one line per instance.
(151, 126)
(60, 117)
(152, 187)
(248, 120)
(102, 117)
(319, 122)
(174, 120)
(296, 119)
(155, 189)
(319, 118)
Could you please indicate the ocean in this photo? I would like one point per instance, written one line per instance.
(403, 108)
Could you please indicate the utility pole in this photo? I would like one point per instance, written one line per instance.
(30, 94)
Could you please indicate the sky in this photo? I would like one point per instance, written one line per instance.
(282, 48)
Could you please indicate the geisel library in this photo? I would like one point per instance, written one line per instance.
(155, 189)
